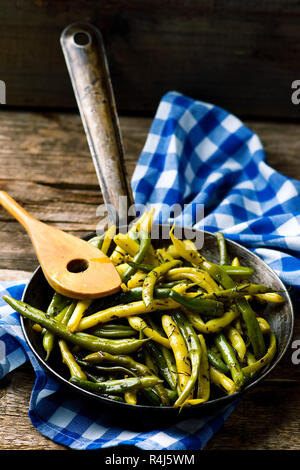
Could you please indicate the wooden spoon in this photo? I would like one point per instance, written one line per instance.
(72, 266)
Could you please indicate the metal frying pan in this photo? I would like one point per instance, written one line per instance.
(85, 57)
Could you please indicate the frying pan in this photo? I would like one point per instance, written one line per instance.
(87, 65)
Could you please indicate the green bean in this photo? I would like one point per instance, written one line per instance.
(94, 378)
(253, 330)
(162, 365)
(144, 246)
(97, 241)
(117, 386)
(153, 276)
(206, 306)
(139, 266)
(126, 361)
(113, 397)
(138, 368)
(159, 388)
(151, 396)
(250, 358)
(238, 272)
(253, 368)
(104, 369)
(222, 248)
(172, 394)
(237, 291)
(89, 342)
(168, 357)
(216, 361)
(114, 331)
(57, 304)
(194, 349)
(230, 359)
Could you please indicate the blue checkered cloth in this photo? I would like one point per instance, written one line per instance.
(195, 154)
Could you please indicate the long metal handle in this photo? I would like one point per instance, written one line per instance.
(86, 61)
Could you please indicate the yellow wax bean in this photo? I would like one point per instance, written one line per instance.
(36, 327)
(139, 324)
(108, 237)
(137, 280)
(222, 381)
(76, 316)
(203, 391)
(264, 325)
(130, 397)
(122, 268)
(195, 320)
(217, 324)
(186, 251)
(235, 262)
(126, 310)
(202, 279)
(68, 359)
(270, 297)
(179, 349)
(130, 246)
(236, 341)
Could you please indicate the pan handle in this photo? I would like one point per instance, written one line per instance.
(86, 61)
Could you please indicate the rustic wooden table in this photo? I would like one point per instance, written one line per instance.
(46, 165)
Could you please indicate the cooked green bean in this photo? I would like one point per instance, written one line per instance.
(57, 304)
(253, 368)
(143, 248)
(230, 359)
(253, 329)
(239, 273)
(117, 386)
(238, 291)
(206, 306)
(139, 266)
(161, 363)
(194, 349)
(114, 331)
(216, 361)
(222, 248)
(97, 241)
(152, 277)
(159, 388)
(89, 342)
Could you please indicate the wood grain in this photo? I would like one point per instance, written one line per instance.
(46, 165)
(240, 55)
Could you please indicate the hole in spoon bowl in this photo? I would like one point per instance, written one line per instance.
(77, 265)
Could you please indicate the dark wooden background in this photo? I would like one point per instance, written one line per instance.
(242, 55)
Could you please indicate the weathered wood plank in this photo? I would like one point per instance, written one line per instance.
(265, 419)
(241, 55)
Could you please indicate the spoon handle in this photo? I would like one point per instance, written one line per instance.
(18, 212)
(85, 58)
